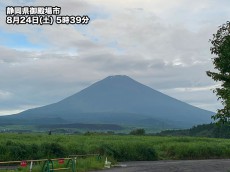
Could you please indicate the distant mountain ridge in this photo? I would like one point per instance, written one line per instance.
(121, 100)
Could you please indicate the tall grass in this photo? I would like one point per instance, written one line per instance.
(119, 148)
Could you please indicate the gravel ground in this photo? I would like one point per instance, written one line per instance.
(214, 165)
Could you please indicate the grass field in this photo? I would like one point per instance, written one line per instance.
(117, 148)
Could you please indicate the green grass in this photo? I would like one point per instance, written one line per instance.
(117, 148)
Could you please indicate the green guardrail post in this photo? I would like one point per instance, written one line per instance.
(99, 157)
(71, 164)
(46, 166)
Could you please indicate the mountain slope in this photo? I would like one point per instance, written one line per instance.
(121, 100)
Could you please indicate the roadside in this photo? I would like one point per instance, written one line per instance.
(214, 165)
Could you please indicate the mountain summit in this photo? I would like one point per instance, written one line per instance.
(121, 100)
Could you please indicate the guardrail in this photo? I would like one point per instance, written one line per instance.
(48, 164)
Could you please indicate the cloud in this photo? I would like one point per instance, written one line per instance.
(163, 44)
(201, 96)
(5, 95)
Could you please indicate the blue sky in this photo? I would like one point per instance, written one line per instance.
(17, 41)
(162, 44)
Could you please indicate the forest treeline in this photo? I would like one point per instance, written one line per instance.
(205, 130)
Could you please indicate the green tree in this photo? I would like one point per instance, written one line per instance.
(221, 49)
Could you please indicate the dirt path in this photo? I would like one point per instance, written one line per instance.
(217, 165)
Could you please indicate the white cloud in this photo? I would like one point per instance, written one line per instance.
(10, 112)
(5, 95)
(194, 89)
